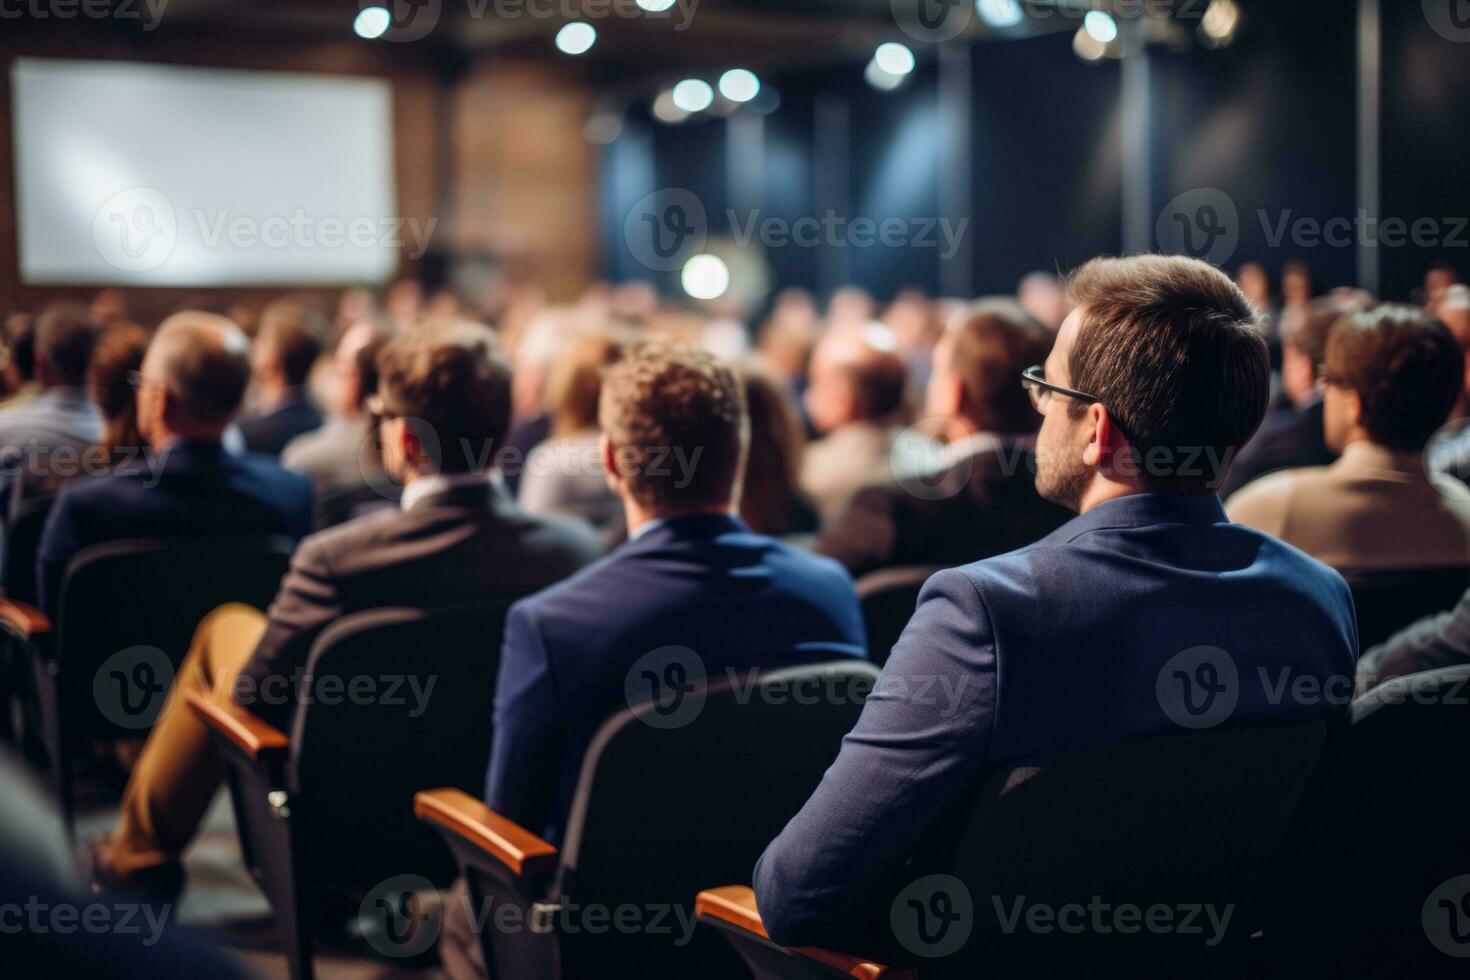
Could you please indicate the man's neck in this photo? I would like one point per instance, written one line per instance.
(1102, 490)
(637, 516)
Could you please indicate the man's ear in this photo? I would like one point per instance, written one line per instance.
(1354, 406)
(1105, 439)
(610, 462)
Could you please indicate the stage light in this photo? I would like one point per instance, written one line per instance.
(1100, 26)
(693, 95)
(999, 14)
(739, 85)
(1087, 47)
(705, 276)
(655, 6)
(881, 80)
(666, 110)
(372, 22)
(894, 58)
(576, 38)
(1220, 20)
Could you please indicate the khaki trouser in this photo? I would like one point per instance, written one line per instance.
(179, 770)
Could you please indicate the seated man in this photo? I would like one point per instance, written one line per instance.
(191, 384)
(1440, 640)
(675, 436)
(1061, 645)
(1391, 375)
(982, 499)
(286, 347)
(458, 538)
(43, 439)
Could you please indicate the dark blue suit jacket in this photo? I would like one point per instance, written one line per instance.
(1149, 614)
(187, 490)
(737, 599)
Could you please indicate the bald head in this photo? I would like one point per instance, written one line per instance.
(856, 376)
(201, 362)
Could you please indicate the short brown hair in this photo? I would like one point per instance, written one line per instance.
(65, 336)
(575, 381)
(994, 341)
(664, 402)
(296, 331)
(1307, 329)
(452, 378)
(1174, 351)
(1406, 367)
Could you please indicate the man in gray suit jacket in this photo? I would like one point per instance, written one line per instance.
(457, 538)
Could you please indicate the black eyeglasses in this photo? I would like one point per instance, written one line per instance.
(1033, 379)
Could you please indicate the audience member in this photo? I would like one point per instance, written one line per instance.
(982, 498)
(1391, 375)
(458, 538)
(44, 439)
(1063, 647)
(286, 346)
(190, 386)
(19, 368)
(1292, 434)
(1044, 298)
(332, 456)
(116, 360)
(1440, 640)
(1296, 285)
(771, 501)
(854, 398)
(564, 474)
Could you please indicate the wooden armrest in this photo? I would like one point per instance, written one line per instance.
(23, 618)
(512, 845)
(735, 905)
(258, 739)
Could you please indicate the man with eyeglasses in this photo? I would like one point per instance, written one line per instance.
(1076, 642)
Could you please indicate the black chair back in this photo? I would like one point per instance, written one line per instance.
(1375, 880)
(1181, 823)
(888, 598)
(401, 700)
(661, 812)
(20, 543)
(1387, 601)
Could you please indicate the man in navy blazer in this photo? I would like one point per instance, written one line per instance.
(1149, 613)
(692, 575)
(191, 384)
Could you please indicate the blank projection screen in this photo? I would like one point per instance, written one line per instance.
(170, 176)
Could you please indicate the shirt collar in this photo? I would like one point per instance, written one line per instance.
(1365, 455)
(1145, 510)
(427, 486)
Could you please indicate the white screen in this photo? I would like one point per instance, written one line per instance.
(167, 176)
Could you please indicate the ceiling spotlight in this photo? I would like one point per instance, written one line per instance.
(1220, 21)
(739, 85)
(999, 14)
(1100, 26)
(1087, 47)
(894, 58)
(576, 37)
(665, 110)
(881, 80)
(693, 95)
(655, 6)
(372, 22)
(705, 276)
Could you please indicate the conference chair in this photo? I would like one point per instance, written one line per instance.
(1375, 878)
(888, 597)
(20, 537)
(668, 798)
(393, 701)
(1152, 834)
(1387, 601)
(126, 613)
